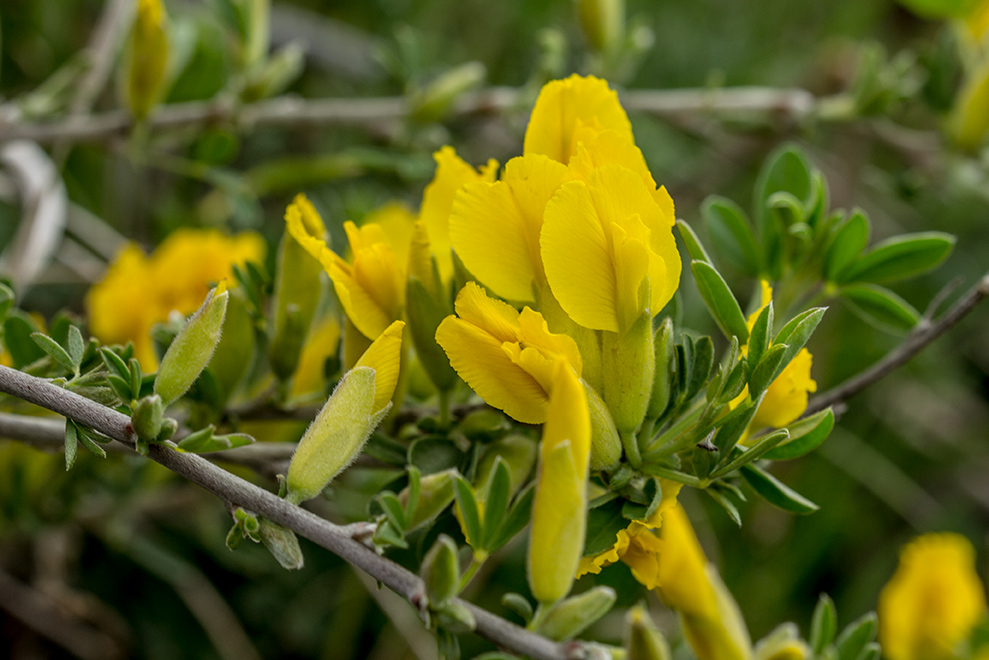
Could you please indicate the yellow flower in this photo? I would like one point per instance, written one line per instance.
(603, 243)
(322, 344)
(559, 515)
(437, 201)
(786, 397)
(933, 600)
(137, 291)
(507, 357)
(711, 620)
(570, 111)
(637, 545)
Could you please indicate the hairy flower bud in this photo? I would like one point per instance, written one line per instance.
(573, 615)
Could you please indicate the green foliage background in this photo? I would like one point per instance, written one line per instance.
(909, 455)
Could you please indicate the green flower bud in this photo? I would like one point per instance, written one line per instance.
(441, 572)
(567, 619)
(335, 437)
(606, 444)
(147, 58)
(603, 22)
(193, 347)
(146, 420)
(297, 292)
(645, 641)
(433, 101)
(281, 543)
(435, 495)
(519, 454)
(663, 345)
(629, 369)
(456, 618)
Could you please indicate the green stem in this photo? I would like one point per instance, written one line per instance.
(542, 611)
(670, 442)
(469, 574)
(631, 443)
(674, 475)
(444, 409)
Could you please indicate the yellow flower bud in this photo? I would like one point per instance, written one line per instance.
(147, 58)
(645, 641)
(603, 22)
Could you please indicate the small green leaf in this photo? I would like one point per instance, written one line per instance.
(197, 439)
(517, 519)
(731, 233)
(6, 300)
(570, 617)
(414, 490)
(725, 504)
(86, 437)
(720, 301)
(441, 572)
(114, 363)
(76, 345)
(769, 367)
(496, 504)
(71, 443)
(799, 329)
(901, 257)
(136, 377)
(823, 625)
(700, 366)
(692, 243)
(806, 435)
(518, 604)
(880, 307)
(120, 386)
(785, 170)
(52, 348)
(741, 458)
(761, 334)
(852, 641)
(732, 426)
(468, 510)
(846, 246)
(394, 510)
(775, 491)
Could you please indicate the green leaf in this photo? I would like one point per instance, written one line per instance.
(769, 367)
(785, 170)
(725, 504)
(823, 625)
(195, 441)
(846, 246)
(741, 458)
(76, 345)
(6, 300)
(433, 454)
(518, 604)
(56, 352)
(901, 257)
(415, 488)
(496, 505)
(603, 524)
(852, 641)
(880, 307)
(393, 509)
(733, 426)
(720, 301)
(759, 337)
(775, 491)
(692, 243)
(517, 519)
(700, 366)
(731, 233)
(114, 363)
(17, 331)
(71, 444)
(86, 437)
(121, 387)
(806, 435)
(468, 510)
(799, 329)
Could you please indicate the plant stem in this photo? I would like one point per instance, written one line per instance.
(469, 574)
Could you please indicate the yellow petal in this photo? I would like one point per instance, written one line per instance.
(643, 556)
(478, 357)
(363, 310)
(437, 201)
(385, 357)
(565, 110)
(496, 317)
(395, 222)
(304, 223)
(322, 344)
(683, 577)
(494, 227)
(534, 331)
(567, 418)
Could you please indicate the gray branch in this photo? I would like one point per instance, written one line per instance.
(235, 490)
(792, 104)
(923, 334)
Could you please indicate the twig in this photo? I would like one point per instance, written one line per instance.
(797, 104)
(925, 333)
(233, 489)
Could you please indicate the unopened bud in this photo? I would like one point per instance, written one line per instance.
(645, 641)
(146, 420)
(663, 346)
(191, 350)
(441, 572)
(435, 495)
(456, 618)
(335, 437)
(969, 121)
(606, 444)
(603, 22)
(629, 368)
(281, 543)
(147, 58)
(567, 619)
(783, 643)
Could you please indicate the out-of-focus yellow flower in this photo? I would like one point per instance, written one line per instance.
(507, 357)
(570, 111)
(689, 584)
(559, 515)
(137, 291)
(322, 344)
(147, 57)
(637, 545)
(605, 241)
(452, 172)
(968, 123)
(933, 600)
(495, 226)
(976, 23)
(786, 397)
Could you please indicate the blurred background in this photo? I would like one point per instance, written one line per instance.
(134, 558)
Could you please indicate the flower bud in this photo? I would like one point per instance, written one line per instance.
(297, 289)
(663, 346)
(147, 58)
(629, 369)
(456, 618)
(192, 348)
(606, 444)
(426, 306)
(567, 619)
(969, 121)
(435, 495)
(603, 22)
(783, 643)
(441, 572)
(146, 420)
(281, 543)
(645, 641)
(335, 437)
